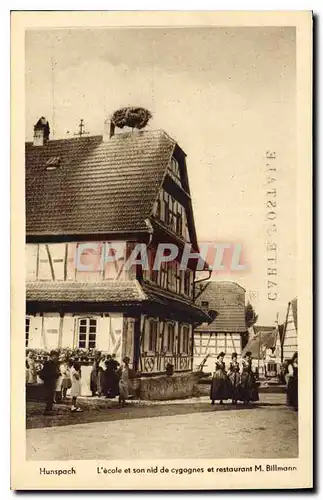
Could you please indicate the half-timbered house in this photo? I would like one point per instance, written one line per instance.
(226, 300)
(289, 340)
(91, 197)
(265, 348)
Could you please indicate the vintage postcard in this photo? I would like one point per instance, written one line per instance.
(161, 250)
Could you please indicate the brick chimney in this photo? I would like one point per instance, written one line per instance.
(41, 132)
(108, 132)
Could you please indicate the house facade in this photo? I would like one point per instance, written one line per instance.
(289, 339)
(226, 300)
(91, 203)
(264, 345)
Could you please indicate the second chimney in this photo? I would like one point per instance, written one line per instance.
(109, 128)
(41, 132)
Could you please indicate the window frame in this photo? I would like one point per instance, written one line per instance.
(185, 339)
(150, 347)
(168, 343)
(187, 284)
(87, 341)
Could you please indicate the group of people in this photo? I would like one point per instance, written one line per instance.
(58, 375)
(105, 376)
(238, 383)
(110, 379)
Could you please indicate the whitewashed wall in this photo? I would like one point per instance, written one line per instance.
(51, 331)
(290, 340)
(213, 344)
(60, 261)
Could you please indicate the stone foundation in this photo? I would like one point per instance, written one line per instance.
(154, 388)
(163, 387)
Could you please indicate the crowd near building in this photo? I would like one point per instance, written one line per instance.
(90, 200)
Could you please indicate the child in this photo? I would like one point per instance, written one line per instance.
(76, 385)
(66, 378)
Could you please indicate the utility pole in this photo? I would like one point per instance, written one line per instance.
(81, 131)
(53, 64)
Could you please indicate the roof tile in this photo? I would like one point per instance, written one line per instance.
(98, 186)
(228, 300)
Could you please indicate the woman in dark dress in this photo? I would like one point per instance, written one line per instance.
(220, 382)
(234, 377)
(249, 391)
(292, 383)
(111, 377)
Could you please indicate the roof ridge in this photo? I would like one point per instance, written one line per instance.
(100, 136)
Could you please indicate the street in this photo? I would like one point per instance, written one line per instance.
(177, 429)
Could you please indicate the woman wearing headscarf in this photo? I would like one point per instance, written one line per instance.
(292, 382)
(234, 377)
(220, 382)
(249, 391)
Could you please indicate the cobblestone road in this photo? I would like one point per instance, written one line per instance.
(179, 429)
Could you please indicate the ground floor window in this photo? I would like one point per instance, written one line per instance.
(27, 328)
(152, 336)
(184, 339)
(170, 337)
(87, 332)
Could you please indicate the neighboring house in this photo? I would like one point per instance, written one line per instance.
(227, 300)
(92, 197)
(289, 331)
(264, 345)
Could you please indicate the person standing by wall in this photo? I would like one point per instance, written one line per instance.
(32, 371)
(49, 375)
(94, 377)
(76, 386)
(292, 382)
(66, 378)
(124, 382)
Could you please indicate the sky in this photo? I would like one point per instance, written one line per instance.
(227, 95)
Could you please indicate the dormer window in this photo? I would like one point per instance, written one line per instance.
(53, 163)
(174, 171)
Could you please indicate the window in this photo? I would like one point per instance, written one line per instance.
(170, 337)
(53, 163)
(173, 213)
(174, 171)
(87, 333)
(187, 282)
(27, 328)
(185, 339)
(152, 338)
(163, 275)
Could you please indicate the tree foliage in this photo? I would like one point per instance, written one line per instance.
(250, 315)
(131, 117)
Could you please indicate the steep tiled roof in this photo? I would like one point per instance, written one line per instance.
(265, 338)
(228, 300)
(115, 292)
(65, 291)
(98, 187)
